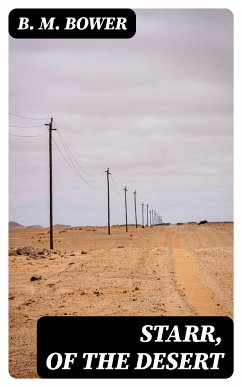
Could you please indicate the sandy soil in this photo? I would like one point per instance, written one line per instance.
(163, 271)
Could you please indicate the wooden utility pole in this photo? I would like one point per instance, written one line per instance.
(147, 223)
(126, 215)
(142, 215)
(135, 210)
(108, 173)
(50, 125)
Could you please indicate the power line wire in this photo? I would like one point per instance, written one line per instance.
(72, 165)
(68, 154)
(37, 135)
(32, 126)
(74, 169)
(74, 157)
(29, 118)
(63, 156)
(114, 186)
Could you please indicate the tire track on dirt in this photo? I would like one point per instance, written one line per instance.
(176, 300)
(188, 278)
(188, 281)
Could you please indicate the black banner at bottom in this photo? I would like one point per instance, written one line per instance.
(135, 347)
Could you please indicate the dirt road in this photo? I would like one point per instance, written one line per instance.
(165, 270)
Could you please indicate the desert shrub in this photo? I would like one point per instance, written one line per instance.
(203, 222)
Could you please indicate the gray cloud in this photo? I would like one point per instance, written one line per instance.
(157, 109)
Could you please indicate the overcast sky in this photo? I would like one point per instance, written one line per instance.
(157, 109)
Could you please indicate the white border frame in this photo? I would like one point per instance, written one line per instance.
(236, 7)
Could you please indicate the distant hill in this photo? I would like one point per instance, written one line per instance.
(35, 226)
(12, 224)
(62, 226)
(15, 225)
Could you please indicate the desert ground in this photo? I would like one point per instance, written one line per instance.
(173, 270)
